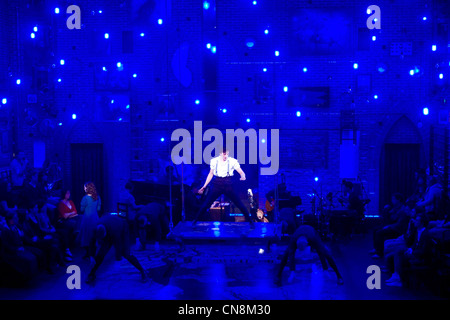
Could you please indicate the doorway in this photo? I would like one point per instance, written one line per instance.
(399, 161)
(86, 165)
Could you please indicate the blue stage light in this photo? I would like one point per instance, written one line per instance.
(250, 43)
(197, 101)
(264, 69)
(35, 29)
(100, 11)
(162, 139)
(374, 38)
(355, 66)
(208, 46)
(266, 31)
(106, 35)
(62, 62)
(4, 101)
(411, 72)
(57, 10)
(104, 68)
(224, 110)
(305, 69)
(142, 34)
(59, 80)
(32, 35)
(119, 64)
(205, 5)
(120, 119)
(112, 101)
(424, 18)
(127, 107)
(60, 124)
(18, 81)
(285, 89)
(255, 3)
(160, 21)
(213, 49)
(316, 179)
(263, 140)
(74, 116)
(375, 96)
(248, 119)
(277, 53)
(441, 76)
(298, 114)
(425, 111)
(433, 47)
(134, 75)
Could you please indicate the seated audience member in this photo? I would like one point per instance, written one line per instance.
(437, 228)
(39, 233)
(152, 217)
(18, 170)
(416, 253)
(394, 246)
(432, 202)
(397, 225)
(420, 183)
(22, 258)
(68, 223)
(30, 193)
(7, 198)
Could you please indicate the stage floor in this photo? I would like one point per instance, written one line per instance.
(215, 230)
(214, 270)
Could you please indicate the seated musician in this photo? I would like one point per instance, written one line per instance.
(354, 203)
(270, 205)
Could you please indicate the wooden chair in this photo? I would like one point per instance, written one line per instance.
(122, 210)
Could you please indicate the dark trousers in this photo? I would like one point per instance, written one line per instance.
(222, 186)
(66, 229)
(159, 224)
(101, 254)
(380, 236)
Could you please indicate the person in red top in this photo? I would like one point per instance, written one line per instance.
(68, 222)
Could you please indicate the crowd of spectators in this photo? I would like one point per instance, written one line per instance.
(415, 232)
(40, 227)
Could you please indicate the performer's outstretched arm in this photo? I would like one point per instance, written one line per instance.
(208, 180)
(241, 172)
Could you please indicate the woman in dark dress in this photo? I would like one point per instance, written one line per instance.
(90, 205)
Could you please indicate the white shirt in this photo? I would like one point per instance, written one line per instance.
(222, 168)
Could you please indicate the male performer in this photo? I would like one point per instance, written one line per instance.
(222, 168)
(112, 230)
(302, 237)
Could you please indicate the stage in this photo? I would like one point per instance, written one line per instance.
(216, 230)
